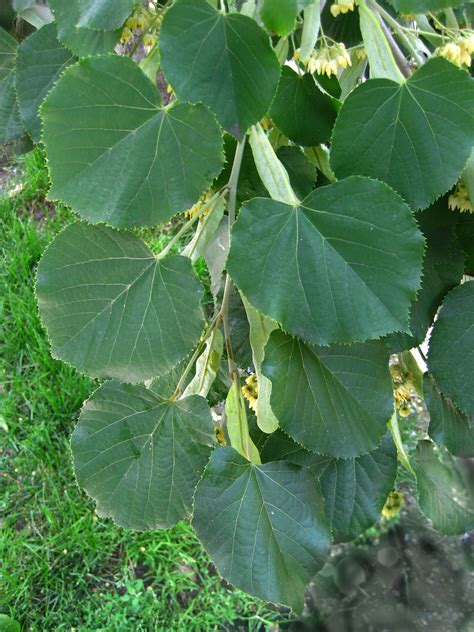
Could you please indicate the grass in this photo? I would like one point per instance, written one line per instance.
(62, 567)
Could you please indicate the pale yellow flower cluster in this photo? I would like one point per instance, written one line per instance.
(141, 20)
(327, 60)
(194, 210)
(250, 391)
(458, 52)
(342, 6)
(459, 200)
(402, 401)
(393, 504)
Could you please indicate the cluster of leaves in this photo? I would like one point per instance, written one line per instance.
(321, 208)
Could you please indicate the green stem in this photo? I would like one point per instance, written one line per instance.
(398, 29)
(399, 57)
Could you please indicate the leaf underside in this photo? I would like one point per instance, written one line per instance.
(141, 457)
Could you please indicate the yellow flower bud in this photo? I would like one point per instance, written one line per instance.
(451, 52)
(126, 36)
(141, 21)
(393, 504)
(149, 41)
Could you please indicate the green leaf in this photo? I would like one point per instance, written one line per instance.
(81, 41)
(444, 491)
(452, 347)
(237, 425)
(345, 28)
(112, 309)
(150, 64)
(279, 16)
(140, 457)
(239, 331)
(10, 122)
(263, 525)
(164, 386)
(7, 624)
(301, 110)
(260, 329)
(301, 172)
(416, 136)
(333, 400)
(40, 61)
(414, 7)
(225, 61)
(272, 173)
(104, 14)
(465, 233)
(207, 366)
(443, 267)
(448, 425)
(354, 490)
(278, 446)
(342, 266)
(115, 155)
(379, 53)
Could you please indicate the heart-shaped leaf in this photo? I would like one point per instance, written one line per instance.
(112, 309)
(301, 110)
(415, 136)
(40, 61)
(354, 490)
(343, 393)
(81, 41)
(448, 425)
(115, 155)
(444, 490)
(279, 16)
(10, 122)
(224, 61)
(104, 14)
(342, 266)
(263, 525)
(443, 266)
(140, 457)
(452, 347)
